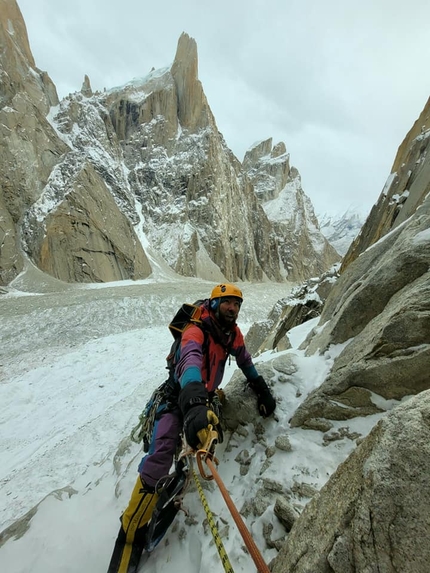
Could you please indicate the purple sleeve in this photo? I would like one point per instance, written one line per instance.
(189, 367)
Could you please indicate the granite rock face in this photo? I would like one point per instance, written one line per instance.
(303, 249)
(373, 513)
(379, 309)
(36, 160)
(152, 148)
(29, 147)
(86, 237)
(405, 190)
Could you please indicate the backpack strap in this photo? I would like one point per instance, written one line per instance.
(186, 315)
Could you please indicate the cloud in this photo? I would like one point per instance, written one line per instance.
(340, 83)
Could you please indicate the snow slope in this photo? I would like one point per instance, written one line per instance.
(78, 364)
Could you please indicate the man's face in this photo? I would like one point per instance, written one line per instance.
(229, 310)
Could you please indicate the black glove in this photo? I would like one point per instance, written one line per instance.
(193, 399)
(265, 401)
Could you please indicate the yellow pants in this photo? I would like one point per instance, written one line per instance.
(129, 543)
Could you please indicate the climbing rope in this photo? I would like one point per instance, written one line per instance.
(249, 542)
(207, 455)
(215, 534)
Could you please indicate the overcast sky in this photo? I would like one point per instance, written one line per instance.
(340, 82)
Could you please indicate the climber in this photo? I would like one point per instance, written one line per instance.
(203, 352)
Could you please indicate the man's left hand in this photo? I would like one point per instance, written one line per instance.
(265, 401)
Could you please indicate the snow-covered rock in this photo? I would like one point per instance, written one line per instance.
(340, 230)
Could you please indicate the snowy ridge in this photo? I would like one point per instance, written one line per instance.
(340, 230)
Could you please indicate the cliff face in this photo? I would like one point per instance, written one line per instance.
(29, 147)
(92, 181)
(405, 189)
(375, 323)
(199, 212)
(378, 307)
(303, 249)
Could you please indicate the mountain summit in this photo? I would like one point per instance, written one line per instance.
(100, 184)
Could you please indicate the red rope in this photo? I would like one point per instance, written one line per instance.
(249, 542)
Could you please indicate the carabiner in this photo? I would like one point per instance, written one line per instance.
(207, 451)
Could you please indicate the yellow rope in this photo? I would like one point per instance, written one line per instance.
(218, 541)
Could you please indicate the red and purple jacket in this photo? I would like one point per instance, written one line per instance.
(205, 349)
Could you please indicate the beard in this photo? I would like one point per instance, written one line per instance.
(227, 318)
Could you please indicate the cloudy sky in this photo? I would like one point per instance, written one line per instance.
(341, 83)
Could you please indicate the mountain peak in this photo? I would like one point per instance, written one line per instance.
(193, 109)
(186, 54)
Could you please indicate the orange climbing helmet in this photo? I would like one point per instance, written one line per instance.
(223, 291)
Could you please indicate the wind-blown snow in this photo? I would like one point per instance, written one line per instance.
(388, 184)
(10, 28)
(77, 369)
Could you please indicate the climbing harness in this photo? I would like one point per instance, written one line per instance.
(171, 491)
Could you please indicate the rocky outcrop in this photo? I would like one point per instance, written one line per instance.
(145, 112)
(11, 262)
(37, 159)
(193, 109)
(19, 74)
(29, 148)
(268, 168)
(86, 238)
(379, 309)
(373, 513)
(86, 89)
(187, 182)
(305, 302)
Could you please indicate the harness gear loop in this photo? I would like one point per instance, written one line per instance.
(249, 542)
(142, 432)
(217, 539)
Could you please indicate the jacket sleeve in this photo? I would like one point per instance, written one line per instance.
(243, 357)
(189, 366)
